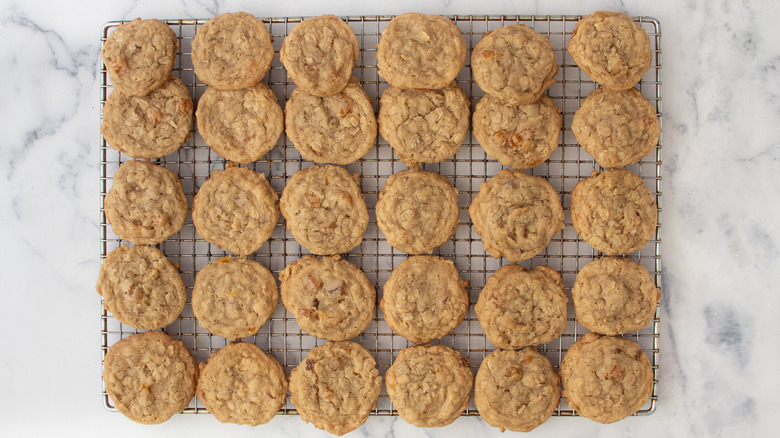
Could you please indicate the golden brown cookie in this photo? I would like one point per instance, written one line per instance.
(139, 56)
(338, 129)
(424, 298)
(516, 390)
(146, 203)
(519, 136)
(424, 126)
(319, 54)
(336, 386)
(614, 295)
(429, 385)
(149, 377)
(236, 210)
(420, 51)
(617, 127)
(514, 63)
(232, 51)
(233, 298)
(520, 307)
(141, 287)
(150, 126)
(417, 210)
(330, 298)
(324, 209)
(516, 215)
(240, 125)
(611, 48)
(241, 384)
(606, 379)
(614, 212)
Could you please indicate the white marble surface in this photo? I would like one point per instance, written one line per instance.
(721, 242)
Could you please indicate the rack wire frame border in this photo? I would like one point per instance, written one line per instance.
(571, 88)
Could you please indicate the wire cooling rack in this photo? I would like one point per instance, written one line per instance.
(281, 336)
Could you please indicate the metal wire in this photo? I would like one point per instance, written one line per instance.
(281, 336)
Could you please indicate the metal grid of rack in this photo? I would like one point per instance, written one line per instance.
(281, 336)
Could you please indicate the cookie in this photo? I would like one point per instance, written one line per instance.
(519, 307)
(240, 125)
(617, 127)
(420, 51)
(519, 136)
(614, 212)
(330, 298)
(606, 379)
(338, 129)
(319, 54)
(236, 210)
(336, 386)
(241, 384)
(417, 210)
(150, 126)
(424, 298)
(324, 209)
(233, 298)
(614, 295)
(514, 63)
(139, 56)
(611, 48)
(516, 215)
(424, 126)
(516, 390)
(149, 377)
(232, 51)
(429, 385)
(141, 287)
(146, 203)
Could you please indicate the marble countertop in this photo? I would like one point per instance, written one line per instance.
(721, 244)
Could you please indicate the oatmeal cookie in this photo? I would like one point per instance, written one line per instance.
(429, 385)
(516, 390)
(141, 287)
(233, 298)
(420, 51)
(319, 54)
(520, 307)
(606, 379)
(240, 125)
(324, 209)
(424, 126)
(611, 48)
(150, 126)
(338, 129)
(519, 136)
(236, 210)
(146, 203)
(614, 212)
(139, 56)
(424, 298)
(514, 63)
(516, 215)
(330, 298)
(232, 51)
(617, 127)
(614, 295)
(417, 210)
(336, 386)
(149, 377)
(241, 384)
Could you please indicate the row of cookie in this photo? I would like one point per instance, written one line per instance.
(423, 300)
(337, 384)
(515, 214)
